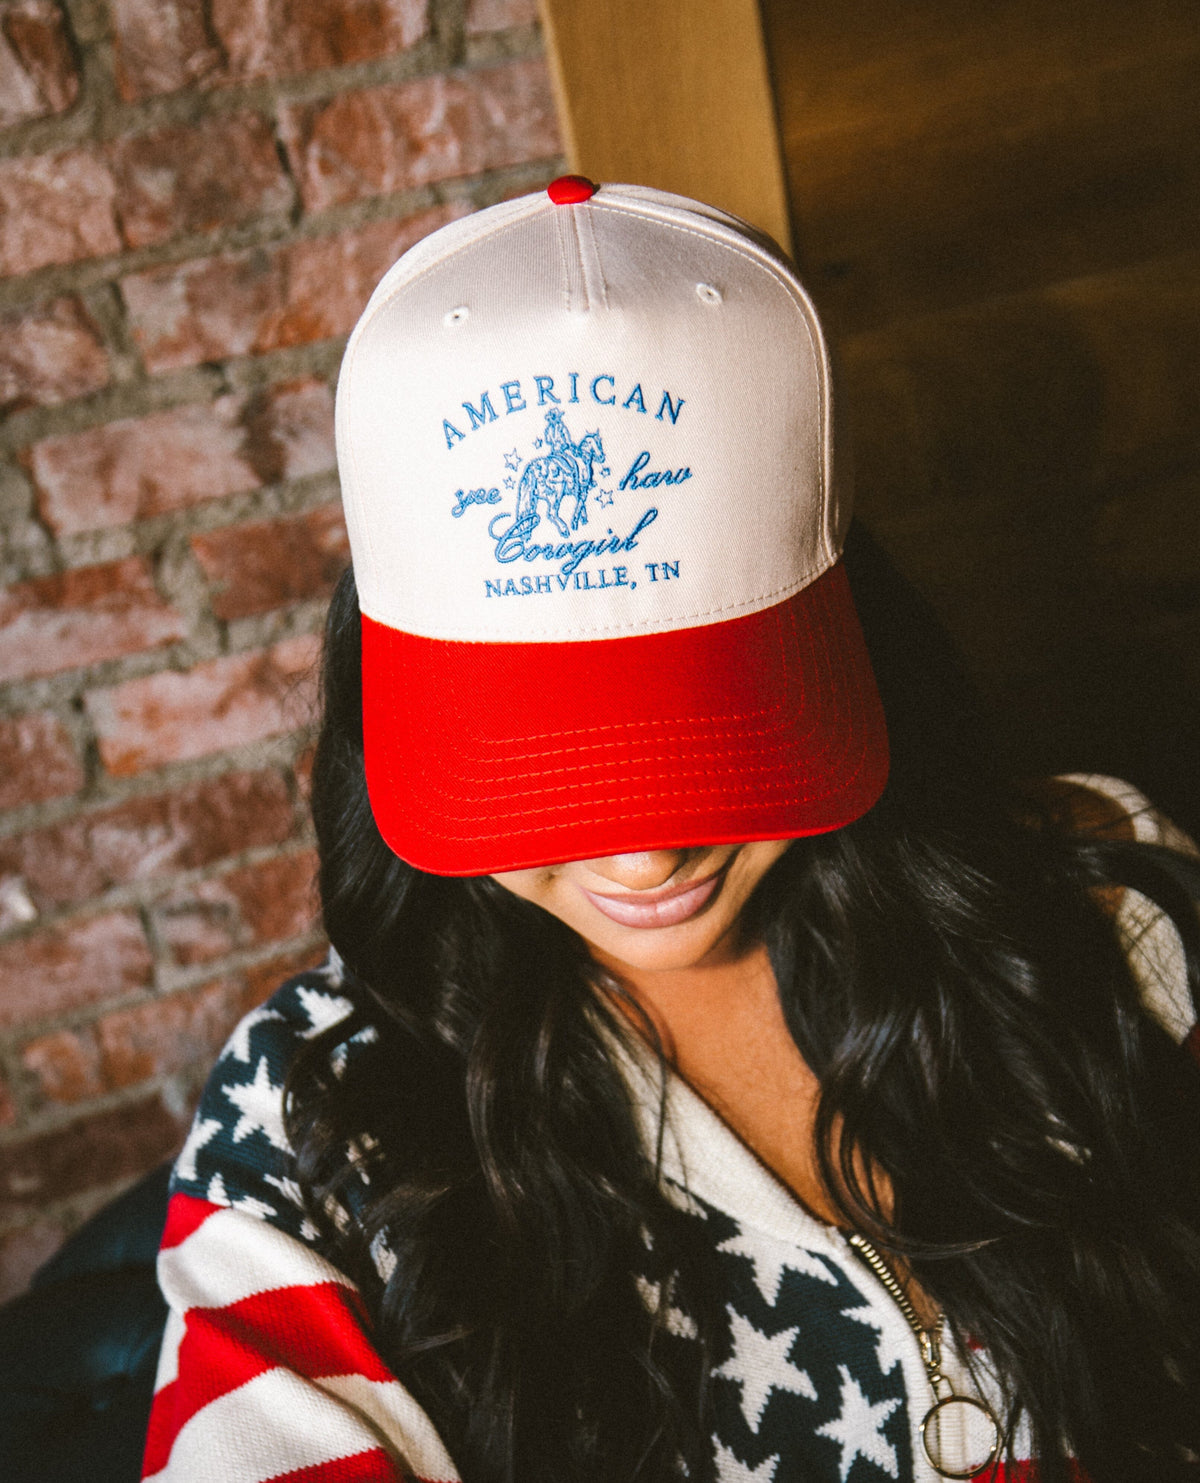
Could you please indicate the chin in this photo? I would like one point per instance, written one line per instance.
(660, 950)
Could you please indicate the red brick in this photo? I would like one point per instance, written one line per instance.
(299, 35)
(254, 568)
(119, 1143)
(267, 902)
(162, 45)
(81, 617)
(197, 924)
(224, 703)
(37, 760)
(289, 430)
(37, 67)
(216, 173)
(145, 838)
(182, 1032)
(397, 137)
(156, 1038)
(144, 466)
(499, 15)
(49, 354)
(160, 1037)
(283, 36)
(246, 303)
(65, 1065)
(55, 209)
(264, 978)
(139, 467)
(23, 1251)
(277, 898)
(66, 967)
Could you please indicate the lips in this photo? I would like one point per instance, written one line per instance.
(664, 907)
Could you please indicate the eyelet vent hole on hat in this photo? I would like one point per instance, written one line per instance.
(456, 316)
(707, 294)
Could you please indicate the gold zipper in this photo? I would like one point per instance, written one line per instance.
(944, 1396)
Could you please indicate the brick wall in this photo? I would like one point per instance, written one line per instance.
(196, 198)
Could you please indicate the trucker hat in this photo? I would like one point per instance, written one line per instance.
(585, 440)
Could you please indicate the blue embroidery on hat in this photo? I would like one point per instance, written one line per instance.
(603, 390)
(464, 498)
(568, 471)
(551, 505)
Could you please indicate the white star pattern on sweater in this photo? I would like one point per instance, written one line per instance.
(772, 1259)
(730, 1469)
(238, 1044)
(760, 1365)
(857, 1429)
(891, 1341)
(323, 1010)
(203, 1130)
(260, 1103)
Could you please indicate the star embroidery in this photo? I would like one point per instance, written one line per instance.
(261, 1106)
(731, 1469)
(891, 1341)
(512, 460)
(253, 1206)
(323, 1010)
(202, 1132)
(857, 1429)
(238, 1044)
(760, 1365)
(509, 482)
(604, 498)
(772, 1259)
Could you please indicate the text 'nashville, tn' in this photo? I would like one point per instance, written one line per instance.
(584, 580)
(602, 391)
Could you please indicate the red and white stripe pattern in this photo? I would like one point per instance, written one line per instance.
(267, 1369)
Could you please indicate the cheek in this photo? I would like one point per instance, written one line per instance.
(541, 886)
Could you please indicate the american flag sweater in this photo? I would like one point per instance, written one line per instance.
(269, 1370)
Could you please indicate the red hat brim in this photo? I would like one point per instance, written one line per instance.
(490, 757)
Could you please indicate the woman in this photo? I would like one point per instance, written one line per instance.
(687, 1092)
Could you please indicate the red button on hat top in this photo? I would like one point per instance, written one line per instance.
(568, 189)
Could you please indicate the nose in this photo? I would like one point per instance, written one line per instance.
(644, 870)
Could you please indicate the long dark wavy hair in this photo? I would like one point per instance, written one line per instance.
(950, 973)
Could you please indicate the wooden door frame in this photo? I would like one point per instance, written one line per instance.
(676, 96)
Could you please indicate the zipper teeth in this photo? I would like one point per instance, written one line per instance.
(885, 1274)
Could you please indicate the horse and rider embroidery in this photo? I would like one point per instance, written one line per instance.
(551, 492)
(567, 471)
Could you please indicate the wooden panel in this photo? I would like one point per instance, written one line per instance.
(937, 154)
(672, 96)
(998, 209)
(1032, 461)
